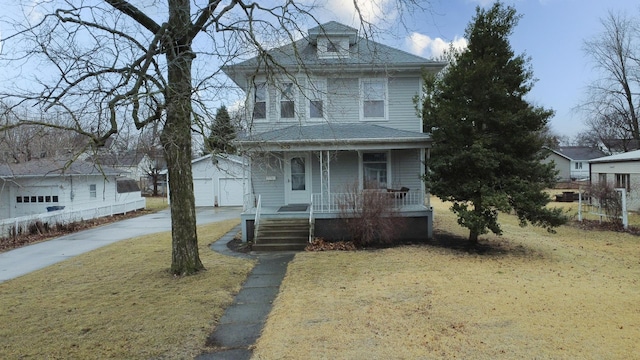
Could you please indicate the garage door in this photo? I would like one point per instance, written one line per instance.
(203, 192)
(231, 193)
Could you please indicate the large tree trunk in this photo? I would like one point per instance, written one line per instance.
(176, 141)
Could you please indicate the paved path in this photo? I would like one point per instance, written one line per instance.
(26, 259)
(241, 324)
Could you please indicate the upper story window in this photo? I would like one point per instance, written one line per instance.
(260, 101)
(316, 99)
(373, 93)
(286, 100)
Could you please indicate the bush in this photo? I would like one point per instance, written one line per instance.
(609, 200)
(370, 216)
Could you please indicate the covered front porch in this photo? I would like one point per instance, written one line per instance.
(316, 177)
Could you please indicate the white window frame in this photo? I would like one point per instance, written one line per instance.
(333, 48)
(93, 191)
(385, 83)
(623, 178)
(254, 87)
(361, 168)
(578, 165)
(316, 90)
(279, 99)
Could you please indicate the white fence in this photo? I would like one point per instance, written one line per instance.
(21, 224)
(600, 212)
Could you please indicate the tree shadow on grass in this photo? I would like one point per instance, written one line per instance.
(485, 247)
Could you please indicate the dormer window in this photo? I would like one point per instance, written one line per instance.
(333, 47)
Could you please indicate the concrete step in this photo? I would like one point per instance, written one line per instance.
(278, 247)
(282, 235)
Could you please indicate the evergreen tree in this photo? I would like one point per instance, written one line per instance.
(222, 133)
(486, 145)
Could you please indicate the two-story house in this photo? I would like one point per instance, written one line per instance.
(340, 112)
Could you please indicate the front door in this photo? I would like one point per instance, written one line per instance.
(297, 179)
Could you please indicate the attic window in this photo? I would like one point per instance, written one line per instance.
(331, 48)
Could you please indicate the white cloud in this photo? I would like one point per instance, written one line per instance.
(372, 11)
(425, 46)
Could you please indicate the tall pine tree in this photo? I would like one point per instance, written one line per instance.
(486, 149)
(222, 134)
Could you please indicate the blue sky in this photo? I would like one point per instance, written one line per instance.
(551, 33)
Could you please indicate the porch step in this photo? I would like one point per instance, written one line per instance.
(282, 235)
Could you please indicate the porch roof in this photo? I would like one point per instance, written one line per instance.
(346, 136)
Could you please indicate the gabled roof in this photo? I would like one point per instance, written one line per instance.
(628, 156)
(365, 54)
(54, 167)
(578, 153)
(340, 136)
(129, 159)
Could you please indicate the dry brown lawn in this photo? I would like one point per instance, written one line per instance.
(119, 302)
(526, 295)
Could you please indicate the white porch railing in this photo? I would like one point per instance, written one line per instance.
(331, 203)
(21, 224)
(256, 221)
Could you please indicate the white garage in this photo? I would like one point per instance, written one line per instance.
(218, 180)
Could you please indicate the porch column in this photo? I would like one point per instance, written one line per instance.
(325, 182)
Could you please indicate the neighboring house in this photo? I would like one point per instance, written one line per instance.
(135, 163)
(622, 171)
(218, 180)
(38, 186)
(572, 162)
(342, 115)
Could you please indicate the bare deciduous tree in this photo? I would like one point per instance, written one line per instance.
(109, 63)
(614, 99)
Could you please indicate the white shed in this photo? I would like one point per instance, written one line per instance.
(218, 180)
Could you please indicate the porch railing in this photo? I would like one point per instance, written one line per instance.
(256, 221)
(400, 200)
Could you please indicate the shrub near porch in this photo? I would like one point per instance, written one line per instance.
(528, 294)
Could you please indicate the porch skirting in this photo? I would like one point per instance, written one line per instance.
(416, 225)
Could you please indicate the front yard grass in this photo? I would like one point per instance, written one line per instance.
(120, 302)
(529, 294)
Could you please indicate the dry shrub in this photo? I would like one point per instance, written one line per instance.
(369, 215)
(609, 200)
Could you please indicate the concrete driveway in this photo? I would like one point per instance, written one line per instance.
(26, 259)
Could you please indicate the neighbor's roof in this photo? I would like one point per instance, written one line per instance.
(628, 156)
(55, 167)
(578, 152)
(132, 158)
(337, 136)
(365, 54)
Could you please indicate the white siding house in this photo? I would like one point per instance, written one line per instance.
(621, 171)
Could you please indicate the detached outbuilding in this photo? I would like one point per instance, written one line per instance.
(44, 185)
(622, 171)
(218, 180)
